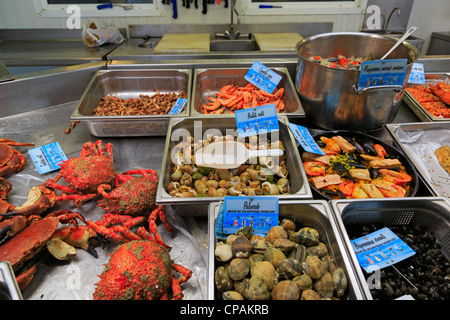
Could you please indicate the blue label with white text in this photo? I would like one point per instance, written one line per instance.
(305, 139)
(47, 158)
(178, 106)
(262, 77)
(417, 74)
(379, 73)
(254, 121)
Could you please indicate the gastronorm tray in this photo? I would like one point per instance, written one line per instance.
(207, 82)
(419, 141)
(416, 106)
(433, 213)
(130, 84)
(309, 213)
(199, 126)
(9, 289)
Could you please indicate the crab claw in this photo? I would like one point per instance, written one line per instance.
(10, 227)
(79, 237)
(39, 199)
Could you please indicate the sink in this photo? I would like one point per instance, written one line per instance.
(226, 45)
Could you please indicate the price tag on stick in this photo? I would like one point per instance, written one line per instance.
(256, 121)
(262, 77)
(47, 158)
(382, 73)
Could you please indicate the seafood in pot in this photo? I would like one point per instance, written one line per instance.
(258, 176)
(355, 167)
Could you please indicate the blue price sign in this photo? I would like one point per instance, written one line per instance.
(178, 106)
(417, 74)
(262, 77)
(256, 121)
(305, 139)
(380, 249)
(379, 73)
(47, 158)
(261, 213)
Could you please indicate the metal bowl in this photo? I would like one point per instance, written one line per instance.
(330, 96)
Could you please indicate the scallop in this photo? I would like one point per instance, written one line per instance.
(223, 252)
(298, 253)
(308, 236)
(289, 268)
(285, 290)
(288, 224)
(340, 282)
(238, 268)
(276, 232)
(222, 280)
(310, 295)
(319, 250)
(274, 256)
(313, 267)
(284, 245)
(304, 282)
(266, 271)
(232, 295)
(260, 245)
(324, 286)
(241, 247)
(257, 289)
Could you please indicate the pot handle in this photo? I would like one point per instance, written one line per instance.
(396, 88)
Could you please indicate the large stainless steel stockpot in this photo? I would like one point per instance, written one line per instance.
(330, 96)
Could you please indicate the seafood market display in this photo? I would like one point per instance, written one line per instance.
(261, 176)
(435, 98)
(424, 276)
(289, 263)
(157, 104)
(354, 166)
(340, 62)
(232, 98)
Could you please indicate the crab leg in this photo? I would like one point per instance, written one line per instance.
(154, 228)
(128, 234)
(109, 234)
(145, 234)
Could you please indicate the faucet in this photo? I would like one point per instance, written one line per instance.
(389, 18)
(231, 35)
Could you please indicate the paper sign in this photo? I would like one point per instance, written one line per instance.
(262, 77)
(46, 158)
(254, 121)
(178, 106)
(305, 139)
(261, 213)
(417, 74)
(379, 73)
(380, 249)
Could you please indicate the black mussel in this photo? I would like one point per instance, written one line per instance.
(374, 173)
(321, 144)
(339, 168)
(333, 59)
(348, 176)
(357, 165)
(369, 148)
(337, 193)
(359, 148)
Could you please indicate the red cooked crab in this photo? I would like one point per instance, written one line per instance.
(140, 270)
(11, 160)
(86, 174)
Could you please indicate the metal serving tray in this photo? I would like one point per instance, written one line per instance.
(207, 82)
(130, 84)
(432, 213)
(9, 289)
(311, 213)
(199, 205)
(419, 141)
(416, 106)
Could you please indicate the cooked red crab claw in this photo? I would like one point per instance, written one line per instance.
(79, 237)
(10, 227)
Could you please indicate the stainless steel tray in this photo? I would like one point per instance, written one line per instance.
(130, 84)
(419, 141)
(416, 106)
(300, 188)
(313, 213)
(432, 213)
(207, 82)
(9, 289)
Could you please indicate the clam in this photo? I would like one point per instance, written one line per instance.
(310, 295)
(260, 245)
(340, 282)
(288, 224)
(308, 236)
(285, 290)
(241, 285)
(276, 232)
(328, 263)
(319, 250)
(274, 256)
(241, 247)
(283, 185)
(255, 257)
(257, 289)
(304, 282)
(324, 286)
(238, 268)
(266, 271)
(231, 238)
(222, 280)
(298, 253)
(289, 268)
(232, 295)
(223, 252)
(256, 237)
(313, 267)
(291, 235)
(284, 245)
(245, 231)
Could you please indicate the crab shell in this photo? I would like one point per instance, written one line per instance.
(86, 173)
(135, 197)
(138, 270)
